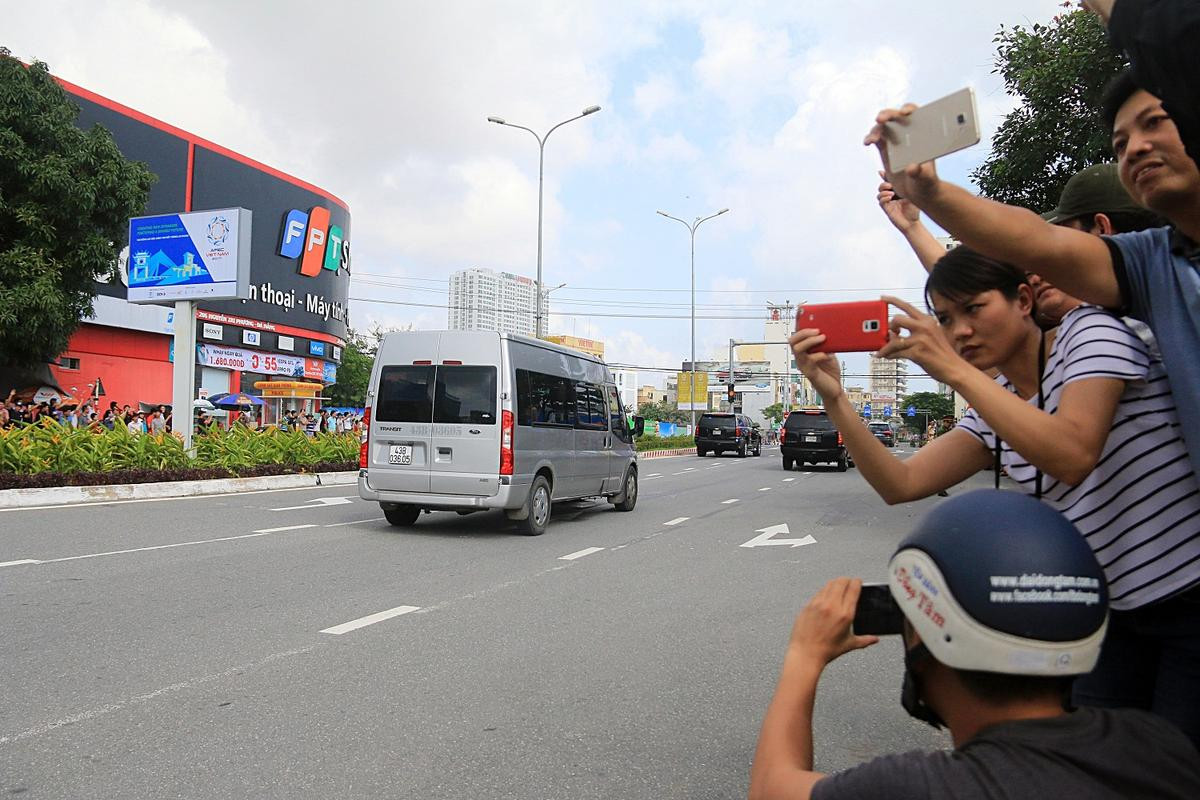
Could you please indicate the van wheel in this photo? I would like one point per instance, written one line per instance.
(742, 449)
(402, 516)
(538, 506)
(788, 464)
(701, 452)
(628, 498)
(758, 449)
(841, 463)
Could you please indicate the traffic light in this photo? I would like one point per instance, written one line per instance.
(731, 393)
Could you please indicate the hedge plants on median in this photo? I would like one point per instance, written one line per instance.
(49, 454)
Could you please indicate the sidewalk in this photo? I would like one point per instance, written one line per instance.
(70, 495)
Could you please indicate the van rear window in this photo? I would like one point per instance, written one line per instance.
(465, 395)
(419, 393)
(405, 394)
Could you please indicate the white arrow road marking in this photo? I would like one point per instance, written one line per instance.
(587, 551)
(677, 520)
(362, 622)
(765, 538)
(323, 501)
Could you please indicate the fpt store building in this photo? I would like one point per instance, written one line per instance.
(292, 327)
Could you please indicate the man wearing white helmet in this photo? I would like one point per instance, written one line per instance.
(1001, 603)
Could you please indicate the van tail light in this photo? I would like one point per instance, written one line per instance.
(737, 431)
(782, 436)
(364, 440)
(506, 442)
(839, 438)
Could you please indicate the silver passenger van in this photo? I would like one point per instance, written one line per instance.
(473, 420)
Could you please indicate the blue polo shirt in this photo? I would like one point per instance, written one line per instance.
(1158, 271)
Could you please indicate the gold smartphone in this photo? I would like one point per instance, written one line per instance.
(942, 127)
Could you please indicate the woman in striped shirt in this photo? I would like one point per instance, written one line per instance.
(1082, 417)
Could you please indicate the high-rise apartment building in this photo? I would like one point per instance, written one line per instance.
(889, 377)
(486, 300)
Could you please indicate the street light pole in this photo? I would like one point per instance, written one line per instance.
(541, 140)
(692, 230)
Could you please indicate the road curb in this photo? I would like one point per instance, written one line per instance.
(70, 495)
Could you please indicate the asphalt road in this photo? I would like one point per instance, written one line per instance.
(237, 646)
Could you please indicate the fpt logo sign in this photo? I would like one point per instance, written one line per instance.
(310, 238)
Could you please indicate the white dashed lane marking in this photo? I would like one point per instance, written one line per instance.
(729, 501)
(362, 622)
(587, 551)
(765, 489)
(677, 520)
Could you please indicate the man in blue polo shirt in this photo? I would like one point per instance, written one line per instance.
(1151, 275)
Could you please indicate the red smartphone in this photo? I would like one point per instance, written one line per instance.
(859, 327)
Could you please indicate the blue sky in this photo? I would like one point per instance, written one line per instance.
(706, 105)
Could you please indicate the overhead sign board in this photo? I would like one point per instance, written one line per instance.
(199, 255)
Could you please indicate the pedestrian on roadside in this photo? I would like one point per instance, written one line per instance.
(157, 421)
(1084, 421)
(991, 666)
(1151, 275)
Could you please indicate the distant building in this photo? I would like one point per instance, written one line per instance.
(627, 386)
(485, 300)
(592, 347)
(653, 394)
(889, 382)
(858, 397)
(788, 384)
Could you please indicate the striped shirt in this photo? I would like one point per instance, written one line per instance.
(1140, 507)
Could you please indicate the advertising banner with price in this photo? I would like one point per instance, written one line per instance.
(267, 363)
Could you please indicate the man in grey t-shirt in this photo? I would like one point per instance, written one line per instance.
(1001, 603)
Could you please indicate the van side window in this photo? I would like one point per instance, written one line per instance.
(465, 395)
(591, 411)
(405, 394)
(616, 416)
(544, 399)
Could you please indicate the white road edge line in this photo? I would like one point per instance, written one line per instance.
(267, 532)
(677, 520)
(587, 551)
(18, 563)
(362, 622)
(729, 502)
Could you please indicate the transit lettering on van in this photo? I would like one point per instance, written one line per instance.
(471, 421)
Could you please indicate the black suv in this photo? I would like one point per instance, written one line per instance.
(883, 432)
(720, 432)
(809, 437)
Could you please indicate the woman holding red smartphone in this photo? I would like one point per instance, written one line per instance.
(1082, 417)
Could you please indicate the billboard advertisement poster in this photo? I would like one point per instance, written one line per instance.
(200, 255)
(236, 358)
(692, 398)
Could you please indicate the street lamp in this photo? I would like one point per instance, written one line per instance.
(692, 230)
(541, 140)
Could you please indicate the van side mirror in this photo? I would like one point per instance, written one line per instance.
(639, 426)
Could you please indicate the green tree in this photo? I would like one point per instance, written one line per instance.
(774, 412)
(930, 406)
(662, 411)
(354, 373)
(1058, 73)
(66, 196)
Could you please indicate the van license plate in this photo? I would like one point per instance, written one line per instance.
(400, 454)
(811, 438)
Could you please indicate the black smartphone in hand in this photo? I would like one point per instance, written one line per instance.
(877, 613)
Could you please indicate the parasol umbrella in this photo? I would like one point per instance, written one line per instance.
(238, 400)
(202, 403)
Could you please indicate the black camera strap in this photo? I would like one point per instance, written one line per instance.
(1041, 404)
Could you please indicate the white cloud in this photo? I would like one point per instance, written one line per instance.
(675, 147)
(655, 94)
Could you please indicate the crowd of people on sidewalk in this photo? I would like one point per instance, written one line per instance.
(159, 420)
(1053, 627)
